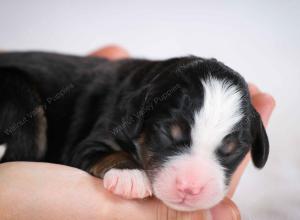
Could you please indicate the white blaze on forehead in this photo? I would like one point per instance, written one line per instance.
(220, 112)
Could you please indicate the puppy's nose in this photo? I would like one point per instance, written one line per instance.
(188, 188)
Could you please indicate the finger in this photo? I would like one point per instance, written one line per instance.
(226, 210)
(165, 213)
(253, 89)
(111, 52)
(237, 175)
(264, 105)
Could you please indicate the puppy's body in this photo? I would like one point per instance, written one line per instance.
(177, 127)
(76, 93)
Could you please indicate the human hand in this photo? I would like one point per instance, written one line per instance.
(30, 191)
(264, 104)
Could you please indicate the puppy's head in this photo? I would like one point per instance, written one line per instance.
(198, 127)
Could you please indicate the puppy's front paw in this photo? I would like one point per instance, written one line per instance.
(130, 184)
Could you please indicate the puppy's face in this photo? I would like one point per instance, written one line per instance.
(196, 136)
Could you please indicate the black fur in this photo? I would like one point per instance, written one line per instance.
(92, 104)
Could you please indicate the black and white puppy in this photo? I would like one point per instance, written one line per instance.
(175, 128)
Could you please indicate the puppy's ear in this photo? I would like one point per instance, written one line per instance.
(260, 142)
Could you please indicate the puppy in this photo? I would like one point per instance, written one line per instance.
(175, 128)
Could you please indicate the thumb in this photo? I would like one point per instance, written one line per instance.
(264, 105)
(111, 52)
(165, 213)
(226, 210)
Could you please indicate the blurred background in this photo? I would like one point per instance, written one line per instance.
(259, 39)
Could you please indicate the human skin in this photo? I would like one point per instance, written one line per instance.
(42, 191)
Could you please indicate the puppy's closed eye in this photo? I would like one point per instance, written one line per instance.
(230, 146)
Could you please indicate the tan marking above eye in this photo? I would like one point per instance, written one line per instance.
(176, 132)
(141, 139)
(229, 147)
(143, 153)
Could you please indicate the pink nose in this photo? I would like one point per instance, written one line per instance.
(188, 188)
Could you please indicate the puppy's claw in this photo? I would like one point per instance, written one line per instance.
(128, 183)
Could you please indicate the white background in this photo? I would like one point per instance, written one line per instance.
(261, 40)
